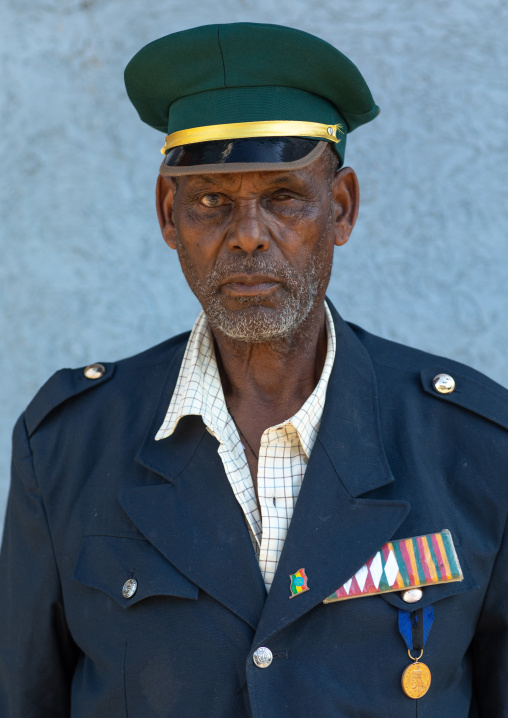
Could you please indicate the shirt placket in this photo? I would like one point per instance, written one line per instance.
(275, 493)
(237, 470)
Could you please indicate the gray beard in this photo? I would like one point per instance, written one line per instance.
(263, 324)
(256, 323)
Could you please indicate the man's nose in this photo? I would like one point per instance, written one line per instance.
(248, 231)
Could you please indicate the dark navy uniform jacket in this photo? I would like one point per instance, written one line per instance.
(95, 501)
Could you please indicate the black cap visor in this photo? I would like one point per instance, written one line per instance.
(250, 154)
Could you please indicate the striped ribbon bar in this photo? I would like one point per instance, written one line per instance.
(402, 564)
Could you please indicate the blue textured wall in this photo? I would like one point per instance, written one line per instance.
(84, 274)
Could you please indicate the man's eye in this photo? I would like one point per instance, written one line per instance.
(211, 200)
(282, 196)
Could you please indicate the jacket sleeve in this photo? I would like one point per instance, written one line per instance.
(37, 654)
(490, 646)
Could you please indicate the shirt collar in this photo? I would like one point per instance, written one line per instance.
(199, 391)
(198, 388)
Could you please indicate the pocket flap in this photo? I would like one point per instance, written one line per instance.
(107, 562)
(437, 592)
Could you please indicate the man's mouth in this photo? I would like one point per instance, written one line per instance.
(249, 285)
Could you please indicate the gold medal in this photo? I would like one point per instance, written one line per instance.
(416, 679)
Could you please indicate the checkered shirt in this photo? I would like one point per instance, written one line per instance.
(284, 452)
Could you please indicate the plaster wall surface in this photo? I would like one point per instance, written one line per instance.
(84, 274)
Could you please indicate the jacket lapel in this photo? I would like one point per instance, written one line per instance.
(331, 536)
(193, 517)
(334, 531)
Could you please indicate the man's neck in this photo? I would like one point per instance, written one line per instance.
(273, 379)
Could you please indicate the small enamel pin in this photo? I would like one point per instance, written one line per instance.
(298, 583)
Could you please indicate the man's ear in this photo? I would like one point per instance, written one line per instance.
(164, 197)
(346, 196)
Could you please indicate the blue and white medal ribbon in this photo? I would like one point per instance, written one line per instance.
(414, 627)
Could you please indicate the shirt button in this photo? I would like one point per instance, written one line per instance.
(129, 588)
(94, 371)
(413, 595)
(262, 657)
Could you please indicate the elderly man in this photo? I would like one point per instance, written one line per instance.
(278, 514)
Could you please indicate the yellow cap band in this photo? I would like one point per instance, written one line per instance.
(238, 130)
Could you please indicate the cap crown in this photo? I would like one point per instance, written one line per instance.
(245, 72)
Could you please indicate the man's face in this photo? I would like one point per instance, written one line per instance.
(256, 248)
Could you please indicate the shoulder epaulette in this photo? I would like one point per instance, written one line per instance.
(63, 385)
(471, 391)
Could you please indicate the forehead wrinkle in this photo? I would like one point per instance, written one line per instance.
(217, 182)
(269, 176)
(202, 179)
(286, 178)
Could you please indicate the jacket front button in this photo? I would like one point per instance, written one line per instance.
(129, 588)
(262, 657)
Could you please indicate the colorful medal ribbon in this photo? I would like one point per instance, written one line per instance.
(404, 564)
(414, 627)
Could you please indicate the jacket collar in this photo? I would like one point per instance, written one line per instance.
(350, 428)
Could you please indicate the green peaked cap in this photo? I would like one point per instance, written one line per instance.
(246, 72)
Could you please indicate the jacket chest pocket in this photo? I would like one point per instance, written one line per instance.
(151, 639)
(129, 570)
